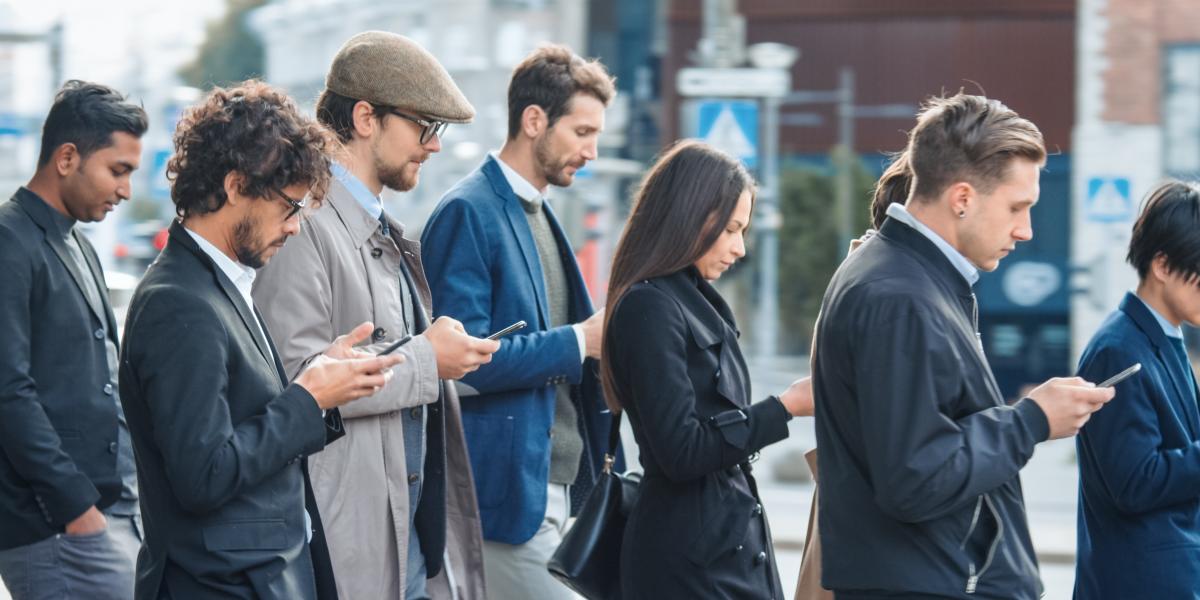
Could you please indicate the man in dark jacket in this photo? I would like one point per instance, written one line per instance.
(68, 485)
(1139, 460)
(920, 456)
(221, 437)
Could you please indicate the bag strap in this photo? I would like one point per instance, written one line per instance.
(614, 438)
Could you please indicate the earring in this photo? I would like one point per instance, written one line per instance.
(962, 214)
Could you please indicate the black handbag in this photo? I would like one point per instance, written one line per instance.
(589, 558)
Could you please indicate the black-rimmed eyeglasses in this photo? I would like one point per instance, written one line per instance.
(428, 128)
(297, 205)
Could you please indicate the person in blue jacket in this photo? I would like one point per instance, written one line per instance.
(1139, 459)
(495, 254)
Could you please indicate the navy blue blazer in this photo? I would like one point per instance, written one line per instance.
(1139, 468)
(484, 270)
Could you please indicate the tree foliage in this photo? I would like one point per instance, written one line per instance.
(231, 52)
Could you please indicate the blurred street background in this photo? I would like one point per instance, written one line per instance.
(811, 94)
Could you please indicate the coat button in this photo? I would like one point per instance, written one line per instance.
(376, 252)
(739, 548)
(757, 510)
(760, 558)
(413, 478)
(379, 334)
(416, 413)
(108, 389)
(112, 447)
(98, 334)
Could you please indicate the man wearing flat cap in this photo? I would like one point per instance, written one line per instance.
(396, 496)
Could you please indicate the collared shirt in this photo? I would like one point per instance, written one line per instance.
(527, 192)
(960, 262)
(241, 276)
(1172, 331)
(372, 203)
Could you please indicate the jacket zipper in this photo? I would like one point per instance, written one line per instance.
(975, 321)
(972, 576)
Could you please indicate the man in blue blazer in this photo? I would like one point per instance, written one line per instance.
(1139, 459)
(495, 254)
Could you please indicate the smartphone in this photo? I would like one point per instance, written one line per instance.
(396, 346)
(507, 330)
(1119, 377)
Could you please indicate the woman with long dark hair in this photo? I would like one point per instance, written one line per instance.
(672, 363)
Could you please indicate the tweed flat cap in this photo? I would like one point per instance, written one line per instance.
(389, 69)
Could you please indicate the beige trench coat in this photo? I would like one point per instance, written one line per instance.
(338, 272)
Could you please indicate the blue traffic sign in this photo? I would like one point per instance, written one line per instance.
(732, 126)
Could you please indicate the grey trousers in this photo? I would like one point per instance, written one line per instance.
(97, 566)
(518, 572)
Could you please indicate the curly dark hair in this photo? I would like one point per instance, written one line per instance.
(253, 129)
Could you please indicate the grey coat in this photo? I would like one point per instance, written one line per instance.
(338, 272)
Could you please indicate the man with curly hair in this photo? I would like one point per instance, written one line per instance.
(221, 437)
(68, 486)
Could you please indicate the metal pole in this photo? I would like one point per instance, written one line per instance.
(767, 327)
(844, 159)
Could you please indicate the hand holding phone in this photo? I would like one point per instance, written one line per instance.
(1122, 376)
(507, 330)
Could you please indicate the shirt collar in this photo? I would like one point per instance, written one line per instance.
(370, 202)
(530, 196)
(241, 275)
(1172, 331)
(960, 262)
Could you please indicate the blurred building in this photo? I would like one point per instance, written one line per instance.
(1137, 121)
(1021, 52)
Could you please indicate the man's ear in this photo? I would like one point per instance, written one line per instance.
(363, 118)
(963, 198)
(534, 121)
(66, 159)
(233, 187)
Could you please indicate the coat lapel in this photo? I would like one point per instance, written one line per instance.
(39, 211)
(93, 262)
(520, 228)
(581, 300)
(711, 323)
(179, 235)
(1144, 320)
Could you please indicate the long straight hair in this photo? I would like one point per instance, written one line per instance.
(681, 208)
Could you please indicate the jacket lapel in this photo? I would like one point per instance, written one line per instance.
(1137, 311)
(179, 235)
(93, 262)
(39, 211)
(711, 324)
(520, 228)
(581, 300)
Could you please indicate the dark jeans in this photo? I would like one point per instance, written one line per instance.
(97, 566)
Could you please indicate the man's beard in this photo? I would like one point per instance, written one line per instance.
(394, 177)
(552, 170)
(244, 244)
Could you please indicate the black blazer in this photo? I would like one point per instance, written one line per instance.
(58, 419)
(698, 528)
(220, 441)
